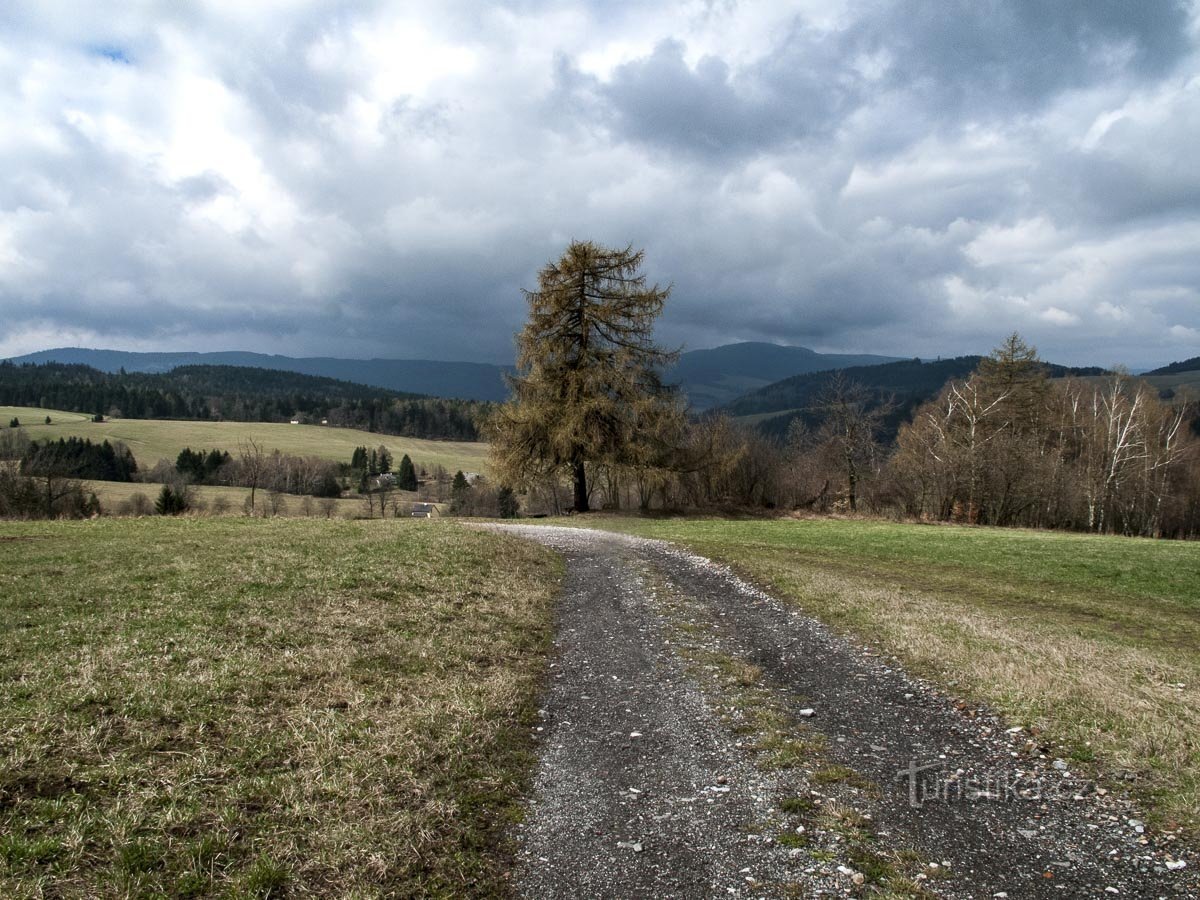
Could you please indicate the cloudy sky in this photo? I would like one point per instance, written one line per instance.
(366, 179)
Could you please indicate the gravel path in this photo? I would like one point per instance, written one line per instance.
(656, 778)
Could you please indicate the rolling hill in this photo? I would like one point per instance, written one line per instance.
(709, 377)
(719, 375)
(238, 393)
(155, 439)
(908, 382)
(437, 378)
(1176, 368)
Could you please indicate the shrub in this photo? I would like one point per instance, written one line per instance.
(171, 501)
(138, 504)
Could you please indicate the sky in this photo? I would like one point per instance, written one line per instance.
(383, 179)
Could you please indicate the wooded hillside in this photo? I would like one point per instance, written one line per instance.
(238, 394)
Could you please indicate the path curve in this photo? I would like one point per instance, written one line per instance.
(655, 777)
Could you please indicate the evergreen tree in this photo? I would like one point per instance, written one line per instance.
(587, 370)
(171, 502)
(15, 423)
(385, 460)
(506, 501)
(406, 475)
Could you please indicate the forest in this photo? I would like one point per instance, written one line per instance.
(238, 394)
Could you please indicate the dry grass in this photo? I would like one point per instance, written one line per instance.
(152, 440)
(239, 707)
(224, 500)
(1093, 643)
(1101, 698)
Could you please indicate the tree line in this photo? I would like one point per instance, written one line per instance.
(238, 394)
(43, 480)
(254, 467)
(75, 457)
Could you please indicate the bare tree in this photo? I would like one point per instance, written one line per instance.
(384, 495)
(851, 419)
(253, 462)
(277, 503)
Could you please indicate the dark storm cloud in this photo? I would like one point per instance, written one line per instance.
(1021, 52)
(663, 101)
(365, 179)
(948, 58)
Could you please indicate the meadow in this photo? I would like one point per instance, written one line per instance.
(226, 500)
(243, 707)
(1092, 643)
(155, 439)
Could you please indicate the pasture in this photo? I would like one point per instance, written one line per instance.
(226, 500)
(244, 707)
(155, 439)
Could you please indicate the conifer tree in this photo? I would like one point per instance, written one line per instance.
(588, 370)
(460, 488)
(406, 475)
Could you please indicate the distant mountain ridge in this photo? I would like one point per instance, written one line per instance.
(1176, 368)
(719, 375)
(710, 377)
(435, 378)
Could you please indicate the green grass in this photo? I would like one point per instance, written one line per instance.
(1022, 561)
(155, 439)
(234, 707)
(1084, 638)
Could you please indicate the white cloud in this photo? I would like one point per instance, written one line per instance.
(1056, 316)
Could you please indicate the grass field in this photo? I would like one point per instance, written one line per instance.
(155, 439)
(113, 493)
(1094, 641)
(240, 707)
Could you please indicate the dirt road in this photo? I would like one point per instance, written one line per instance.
(700, 738)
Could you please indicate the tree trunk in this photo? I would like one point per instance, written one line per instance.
(852, 477)
(581, 493)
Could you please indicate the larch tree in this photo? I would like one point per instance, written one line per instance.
(588, 372)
